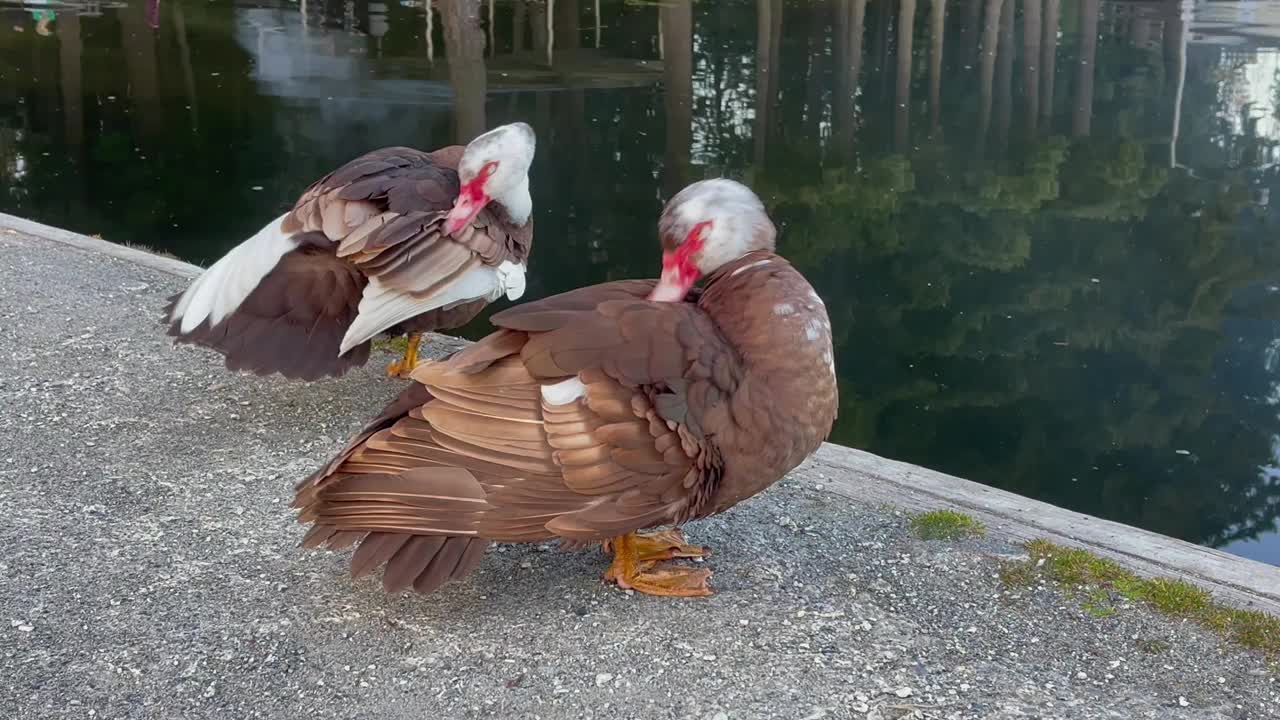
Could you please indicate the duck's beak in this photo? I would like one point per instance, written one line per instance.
(465, 209)
(676, 280)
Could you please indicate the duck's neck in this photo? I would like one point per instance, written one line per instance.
(517, 203)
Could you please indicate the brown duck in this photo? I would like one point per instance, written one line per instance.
(596, 413)
(397, 241)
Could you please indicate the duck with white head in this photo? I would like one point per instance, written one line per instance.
(396, 242)
(597, 413)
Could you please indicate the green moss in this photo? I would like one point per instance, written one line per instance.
(1098, 578)
(396, 344)
(1176, 597)
(1074, 566)
(146, 249)
(945, 525)
(1014, 574)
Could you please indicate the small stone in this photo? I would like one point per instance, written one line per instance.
(1182, 701)
(603, 679)
(25, 628)
(722, 715)
(964, 687)
(1082, 675)
(903, 692)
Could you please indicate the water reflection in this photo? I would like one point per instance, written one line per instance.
(1042, 227)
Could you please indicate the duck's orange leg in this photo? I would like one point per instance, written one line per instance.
(406, 364)
(636, 572)
(662, 545)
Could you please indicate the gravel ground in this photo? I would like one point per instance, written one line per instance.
(151, 570)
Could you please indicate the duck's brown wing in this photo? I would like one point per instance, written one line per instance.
(362, 248)
(492, 456)
(292, 322)
(385, 211)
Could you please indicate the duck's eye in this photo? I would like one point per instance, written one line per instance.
(488, 169)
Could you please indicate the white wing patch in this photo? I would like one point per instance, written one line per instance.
(511, 278)
(220, 289)
(382, 306)
(564, 392)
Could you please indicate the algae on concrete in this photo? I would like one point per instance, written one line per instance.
(1103, 582)
(945, 525)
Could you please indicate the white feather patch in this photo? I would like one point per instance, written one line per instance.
(220, 289)
(511, 278)
(382, 306)
(564, 392)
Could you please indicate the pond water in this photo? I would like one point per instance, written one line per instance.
(1042, 227)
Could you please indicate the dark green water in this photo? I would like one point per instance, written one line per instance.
(1042, 228)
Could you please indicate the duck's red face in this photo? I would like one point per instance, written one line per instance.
(680, 266)
(471, 199)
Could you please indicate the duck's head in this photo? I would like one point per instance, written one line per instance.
(704, 227)
(495, 168)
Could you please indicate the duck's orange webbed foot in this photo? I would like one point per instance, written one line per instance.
(635, 569)
(405, 365)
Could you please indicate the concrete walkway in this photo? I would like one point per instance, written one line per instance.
(150, 567)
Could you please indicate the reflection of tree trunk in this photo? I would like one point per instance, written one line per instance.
(677, 76)
(1048, 58)
(1175, 39)
(69, 49)
(815, 78)
(360, 16)
(1082, 113)
(491, 22)
(841, 90)
(1141, 32)
(1004, 75)
(1030, 61)
(972, 28)
(551, 32)
(937, 31)
(880, 46)
(902, 94)
(464, 47)
(140, 62)
(567, 27)
(188, 75)
(987, 67)
(764, 77)
(850, 17)
(538, 27)
(430, 33)
(518, 14)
